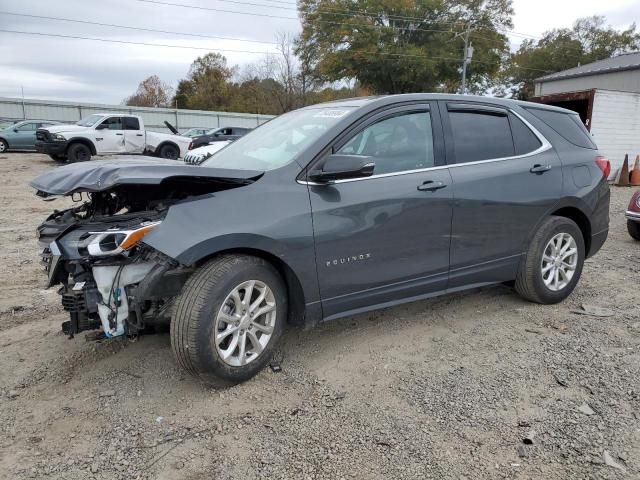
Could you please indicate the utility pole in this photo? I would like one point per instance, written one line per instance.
(468, 54)
(24, 112)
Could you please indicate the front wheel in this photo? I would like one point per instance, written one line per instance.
(634, 229)
(78, 152)
(4, 146)
(553, 263)
(228, 318)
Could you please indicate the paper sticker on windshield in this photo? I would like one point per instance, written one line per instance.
(333, 113)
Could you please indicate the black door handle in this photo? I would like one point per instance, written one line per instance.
(119, 133)
(537, 168)
(138, 134)
(431, 186)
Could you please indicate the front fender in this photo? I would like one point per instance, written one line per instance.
(84, 140)
(274, 219)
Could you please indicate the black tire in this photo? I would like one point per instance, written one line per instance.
(202, 297)
(169, 151)
(4, 146)
(78, 152)
(58, 158)
(634, 229)
(529, 282)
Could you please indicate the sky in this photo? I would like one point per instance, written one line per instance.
(77, 70)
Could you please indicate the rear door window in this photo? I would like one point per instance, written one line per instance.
(131, 123)
(480, 134)
(568, 126)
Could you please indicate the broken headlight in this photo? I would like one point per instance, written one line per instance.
(115, 241)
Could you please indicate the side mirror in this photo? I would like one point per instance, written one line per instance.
(15, 130)
(341, 167)
(102, 126)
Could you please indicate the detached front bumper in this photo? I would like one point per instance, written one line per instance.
(51, 148)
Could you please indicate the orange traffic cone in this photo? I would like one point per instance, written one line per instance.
(634, 176)
(622, 179)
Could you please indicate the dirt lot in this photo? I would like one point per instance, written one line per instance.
(445, 388)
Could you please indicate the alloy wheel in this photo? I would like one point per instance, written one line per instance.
(245, 323)
(559, 261)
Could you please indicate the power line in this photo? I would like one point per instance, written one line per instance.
(352, 15)
(258, 14)
(129, 42)
(142, 29)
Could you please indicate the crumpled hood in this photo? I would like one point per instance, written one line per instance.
(97, 176)
(66, 128)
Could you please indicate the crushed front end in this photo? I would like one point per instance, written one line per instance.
(109, 278)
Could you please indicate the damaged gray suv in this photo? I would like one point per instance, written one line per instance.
(324, 212)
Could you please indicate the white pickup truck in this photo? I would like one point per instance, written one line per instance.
(107, 134)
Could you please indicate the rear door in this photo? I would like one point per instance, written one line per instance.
(506, 177)
(134, 137)
(110, 138)
(384, 238)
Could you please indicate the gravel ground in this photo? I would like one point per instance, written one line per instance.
(449, 388)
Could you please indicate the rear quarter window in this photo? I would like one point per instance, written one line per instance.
(524, 139)
(568, 126)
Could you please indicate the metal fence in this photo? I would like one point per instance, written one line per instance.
(154, 118)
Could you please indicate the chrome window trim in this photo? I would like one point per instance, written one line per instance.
(545, 145)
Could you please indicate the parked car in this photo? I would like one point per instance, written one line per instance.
(22, 135)
(324, 212)
(195, 132)
(633, 216)
(219, 135)
(199, 155)
(108, 134)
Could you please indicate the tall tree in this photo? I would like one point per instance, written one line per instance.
(589, 40)
(392, 46)
(207, 84)
(151, 92)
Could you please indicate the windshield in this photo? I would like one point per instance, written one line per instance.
(90, 121)
(279, 141)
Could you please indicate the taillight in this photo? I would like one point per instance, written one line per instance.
(191, 146)
(604, 164)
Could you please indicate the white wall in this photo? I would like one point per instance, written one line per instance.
(69, 112)
(624, 81)
(615, 125)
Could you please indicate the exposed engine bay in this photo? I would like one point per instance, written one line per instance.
(109, 279)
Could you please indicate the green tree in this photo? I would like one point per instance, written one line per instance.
(392, 46)
(207, 84)
(589, 40)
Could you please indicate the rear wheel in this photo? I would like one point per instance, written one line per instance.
(634, 229)
(169, 151)
(78, 152)
(228, 318)
(553, 263)
(4, 146)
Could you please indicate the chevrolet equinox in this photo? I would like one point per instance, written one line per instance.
(324, 212)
